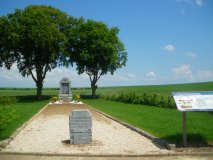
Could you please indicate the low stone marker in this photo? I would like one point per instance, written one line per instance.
(80, 124)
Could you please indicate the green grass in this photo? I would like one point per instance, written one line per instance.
(25, 109)
(160, 122)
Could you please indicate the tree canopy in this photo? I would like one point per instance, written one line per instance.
(96, 50)
(35, 39)
(40, 38)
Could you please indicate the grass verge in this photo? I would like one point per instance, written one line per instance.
(25, 109)
(161, 122)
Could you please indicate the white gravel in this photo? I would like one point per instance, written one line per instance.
(49, 133)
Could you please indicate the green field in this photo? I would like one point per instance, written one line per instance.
(161, 122)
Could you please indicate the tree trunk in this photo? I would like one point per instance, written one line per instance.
(39, 90)
(94, 87)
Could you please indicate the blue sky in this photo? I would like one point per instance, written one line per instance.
(168, 41)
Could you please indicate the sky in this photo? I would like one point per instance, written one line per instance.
(167, 41)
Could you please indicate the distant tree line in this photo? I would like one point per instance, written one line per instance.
(41, 38)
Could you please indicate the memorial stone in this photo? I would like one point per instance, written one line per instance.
(65, 92)
(80, 124)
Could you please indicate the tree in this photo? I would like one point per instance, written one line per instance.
(34, 39)
(96, 50)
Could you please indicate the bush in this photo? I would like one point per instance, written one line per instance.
(77, 97)
(6, 101)
(54, 99)
(153, 99)
(162, 102)
(6, 114)
(129, 98)
(171, 102)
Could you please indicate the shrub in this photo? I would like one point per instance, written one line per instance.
(146, 99)
(129, 98)
(54, 99)
(171, 102)
(162, 102)
(6, 114)
(6, 101)
(138, 100)
(77, 97)
(153, 99)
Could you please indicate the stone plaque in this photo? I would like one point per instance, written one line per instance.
(65, 88)
(80, 123)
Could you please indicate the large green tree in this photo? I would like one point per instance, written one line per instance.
(34, 39)
(96, 50)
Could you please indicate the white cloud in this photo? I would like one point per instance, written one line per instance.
(182, 12)
(195, 2)
(204, 75)
(12, 78)
(52, 78)
(191, 55)
(120, 77)
(185, 1)
(13, 74)
(169, 48)
(131, 75)
(183, 72)
(151, 75)
(199, 2)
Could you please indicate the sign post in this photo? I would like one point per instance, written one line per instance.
(192, 101)
(184, 128)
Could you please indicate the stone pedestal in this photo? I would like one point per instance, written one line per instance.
(80, 124)
(65, 92)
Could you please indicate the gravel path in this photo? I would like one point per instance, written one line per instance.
(49, 133)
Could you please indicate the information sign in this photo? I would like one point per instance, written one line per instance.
(194, 101)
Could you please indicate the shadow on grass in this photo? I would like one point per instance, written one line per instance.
(84, 96)
(211, 113)
(32, 98)
(193, 140)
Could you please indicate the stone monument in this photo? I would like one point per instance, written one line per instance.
(80, 125)
(65, 92)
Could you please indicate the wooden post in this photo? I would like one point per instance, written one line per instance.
(184, 128)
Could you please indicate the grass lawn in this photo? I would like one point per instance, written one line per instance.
(160, 122)
(25, 109)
